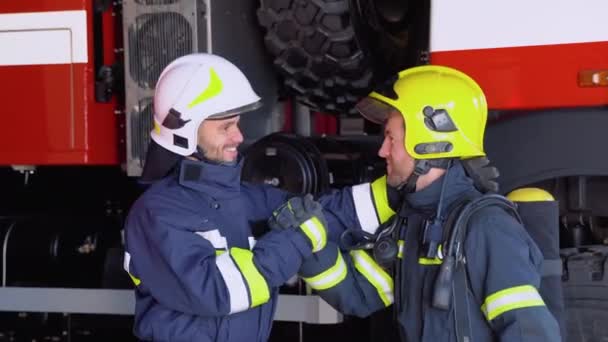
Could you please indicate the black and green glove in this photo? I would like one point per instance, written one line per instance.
(304, 214)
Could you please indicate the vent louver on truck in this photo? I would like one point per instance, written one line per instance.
(154, 41)
(141, 122)
(155, 33)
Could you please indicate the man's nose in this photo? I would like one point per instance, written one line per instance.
(238, 136)
(383, 152)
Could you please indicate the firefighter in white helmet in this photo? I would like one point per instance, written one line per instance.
(189, 91)
(199, 273)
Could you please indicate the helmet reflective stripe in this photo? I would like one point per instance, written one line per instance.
(194, 88)
(213, 89)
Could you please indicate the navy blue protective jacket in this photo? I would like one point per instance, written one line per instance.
(199, 273)
(503, 265)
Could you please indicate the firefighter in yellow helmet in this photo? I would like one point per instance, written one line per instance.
(434, 119)
(444, 112)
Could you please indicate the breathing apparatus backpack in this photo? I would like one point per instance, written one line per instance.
(539, 216)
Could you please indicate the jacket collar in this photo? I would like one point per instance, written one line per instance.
(215, 180)
(458, 184)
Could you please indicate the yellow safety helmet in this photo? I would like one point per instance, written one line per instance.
(444, 110)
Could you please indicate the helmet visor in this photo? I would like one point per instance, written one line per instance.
(374, 110)
(236, 111)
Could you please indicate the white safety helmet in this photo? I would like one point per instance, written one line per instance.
(194, 88)
(191, 89)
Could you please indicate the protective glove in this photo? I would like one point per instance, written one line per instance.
(305, 215)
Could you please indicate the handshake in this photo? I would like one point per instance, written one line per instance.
(305, 215)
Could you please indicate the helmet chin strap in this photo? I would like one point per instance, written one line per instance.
(421, 167)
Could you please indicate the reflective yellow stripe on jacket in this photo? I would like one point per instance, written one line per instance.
(242, 278)
(330, 277)
(314, 230)
(371, 204)
(375, 275)
(126, 264)
(380, 198)
(513, 298)
(438, 260)
(401, 247)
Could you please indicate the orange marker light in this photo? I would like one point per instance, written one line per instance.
(593, 78)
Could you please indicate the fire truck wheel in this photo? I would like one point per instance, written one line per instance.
(324, 58)
(585, 283)
(286, 162)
